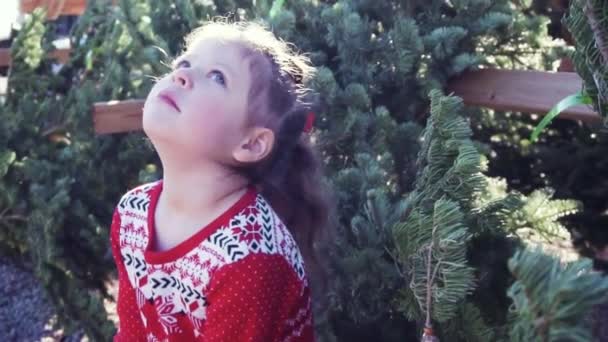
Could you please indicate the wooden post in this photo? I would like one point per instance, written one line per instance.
(55, 8)
(5, 57)
(522, 91)
(62, 55)
(508, 90)
(117, 116)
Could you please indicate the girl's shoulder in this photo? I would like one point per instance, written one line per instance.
(138, 196)
(258, 229)
(143, 188)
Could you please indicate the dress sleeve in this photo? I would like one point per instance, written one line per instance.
(130, 325)
(259, 298)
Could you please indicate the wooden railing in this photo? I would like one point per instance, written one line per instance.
(62, 55)
(508, 90)
(118, 116)
(55, 8)
(522, 91)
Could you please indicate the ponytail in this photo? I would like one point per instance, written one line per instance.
(290, 178)
(292, 181)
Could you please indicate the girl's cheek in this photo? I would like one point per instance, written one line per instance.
(212, 110)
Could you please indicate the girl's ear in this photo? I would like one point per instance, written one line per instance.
(256, 145)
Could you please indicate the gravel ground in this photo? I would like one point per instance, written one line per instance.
(25, 314)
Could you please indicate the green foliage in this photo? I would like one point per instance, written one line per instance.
(380, 60)
(377, 61)
(579, 98)
(432, 246)
(58, 181)
(432, 240)
(539, 216)
(468, 325)
(448, 161)
(569, 156)
(550, 299)
(572, 156)
(455, 208)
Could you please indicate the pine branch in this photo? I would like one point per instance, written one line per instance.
(550, 298)
(597, 28)
(586, 22)
(468, 325)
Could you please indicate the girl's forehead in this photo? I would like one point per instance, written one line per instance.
(217, 50)
(213, 44)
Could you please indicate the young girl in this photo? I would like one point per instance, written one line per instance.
(209, 252)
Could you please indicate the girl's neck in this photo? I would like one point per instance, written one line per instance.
(198, 188)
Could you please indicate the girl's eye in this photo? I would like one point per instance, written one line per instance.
(218, 77)
(182, 63)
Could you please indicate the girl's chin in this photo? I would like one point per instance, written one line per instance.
(158, 125)
(155, 113)
(159, 107)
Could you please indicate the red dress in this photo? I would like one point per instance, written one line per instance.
(240, 278)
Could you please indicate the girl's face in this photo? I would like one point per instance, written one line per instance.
(198, 110)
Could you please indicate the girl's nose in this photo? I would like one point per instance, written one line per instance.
(181, 77)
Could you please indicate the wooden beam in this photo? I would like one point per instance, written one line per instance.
(508, 90)
(117, 116)
(522, 91)
(62, 55)
(55, 8)
(5, 57)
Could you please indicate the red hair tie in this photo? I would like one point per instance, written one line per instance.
(310, 119)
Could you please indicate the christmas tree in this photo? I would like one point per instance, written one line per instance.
(569, 156)
(59, 182)
(454, 209)
(394, 176)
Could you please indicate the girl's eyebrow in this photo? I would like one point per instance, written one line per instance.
(226, 67)
(176, 61)
(223, 65)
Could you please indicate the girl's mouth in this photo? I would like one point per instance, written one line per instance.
(165, 97)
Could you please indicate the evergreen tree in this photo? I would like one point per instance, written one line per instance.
(455, 208)
(59, 182)
(407, 52)
(377, 63)
(570, 156)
